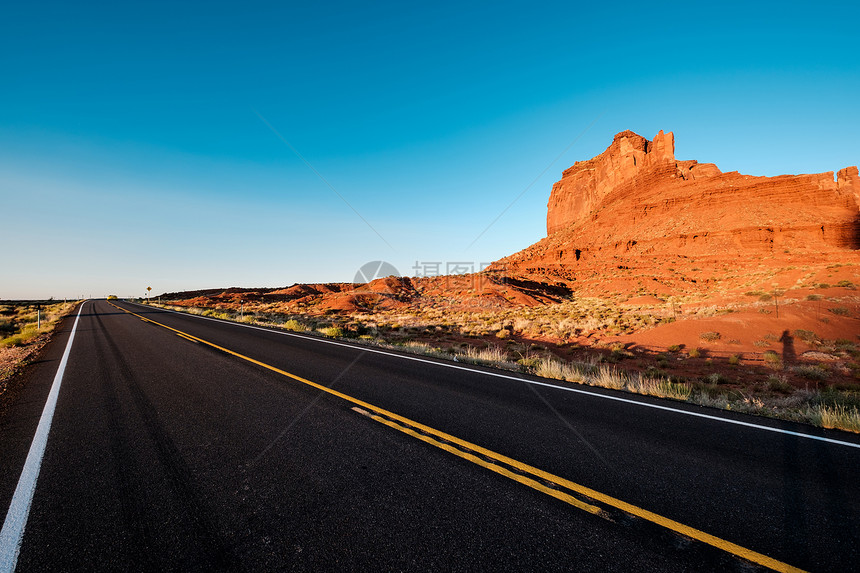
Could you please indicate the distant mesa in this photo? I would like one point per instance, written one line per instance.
(635, 198)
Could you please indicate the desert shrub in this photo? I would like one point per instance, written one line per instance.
(710, 336)
(7, 326)
(294, 325)
(761, 343)
(717, 378)
(332, 331)
(772, 359)
(846, 284)
(807, 336)
(822, 285)
(764, 297)
(813, 297)
(529, 364)
(811, 372)
(503, 334)
(734, 359)
(840, 310)
(694, 352)
(765, 310)
(675, 348)
(778, 384)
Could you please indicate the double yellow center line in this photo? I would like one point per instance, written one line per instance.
(572, 493)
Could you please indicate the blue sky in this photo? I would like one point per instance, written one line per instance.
(133, 153)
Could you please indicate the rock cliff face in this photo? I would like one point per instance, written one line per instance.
(631, 161)
(636, 199)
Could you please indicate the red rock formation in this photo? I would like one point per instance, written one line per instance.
(635, 198)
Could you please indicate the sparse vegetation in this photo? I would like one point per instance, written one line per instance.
(710, 336)
(23, 332)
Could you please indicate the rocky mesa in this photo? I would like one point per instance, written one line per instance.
(636, 199)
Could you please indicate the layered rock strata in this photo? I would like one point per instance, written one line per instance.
(636, 199)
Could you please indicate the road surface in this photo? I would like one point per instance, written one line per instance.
(181, 443)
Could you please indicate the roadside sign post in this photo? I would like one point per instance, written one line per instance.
(38, 316)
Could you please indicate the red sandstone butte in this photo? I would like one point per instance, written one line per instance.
(635, 198)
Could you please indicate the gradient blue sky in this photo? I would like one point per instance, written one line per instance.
(133, 153)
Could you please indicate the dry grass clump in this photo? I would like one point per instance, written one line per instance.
(607, 377)
(551, 368)
(836, 417)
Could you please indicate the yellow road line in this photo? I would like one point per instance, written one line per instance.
(498, 469)
(631, 509)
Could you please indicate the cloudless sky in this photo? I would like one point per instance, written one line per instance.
(156, 143)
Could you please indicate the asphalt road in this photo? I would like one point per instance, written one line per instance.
(216, 446)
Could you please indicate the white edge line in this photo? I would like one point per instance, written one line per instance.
(526, 380)
(19, 510)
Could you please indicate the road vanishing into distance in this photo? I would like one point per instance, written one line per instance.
(181, 443)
